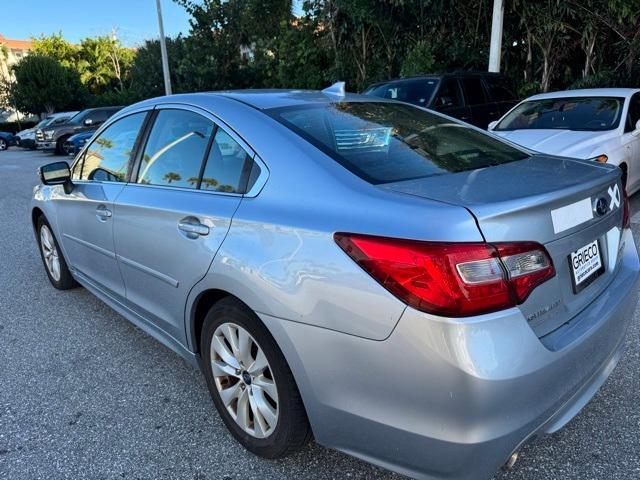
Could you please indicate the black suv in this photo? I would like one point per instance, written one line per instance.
(474, 97)
(54, 136)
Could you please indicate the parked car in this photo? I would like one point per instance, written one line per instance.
(53, 137)
(473, 97)
(601, 124)
(75, 142)
(7, 139)
(398, 285)
(27, 138)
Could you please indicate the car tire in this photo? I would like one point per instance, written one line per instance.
(3, 144)
(50, 253)
(290, 431)
(60, 145)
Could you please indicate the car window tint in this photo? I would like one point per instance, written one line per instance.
(473, 91)
(109, 155)
(225, 167)
(569, 113)
(416, 91)
(499, 89)
(634, 113)
(449, 94)
(385, 142)
(175, 149)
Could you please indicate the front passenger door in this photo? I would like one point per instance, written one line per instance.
(173, 217)
(86, 214)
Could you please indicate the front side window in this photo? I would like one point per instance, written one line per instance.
(416, 91)
(473, 91)
(570, 113)
(109, 155)
(385, 142)
(633, 114)
(449, 94)
(175, 149)
(227, 165)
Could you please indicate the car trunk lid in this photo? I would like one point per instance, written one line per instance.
(550, 200)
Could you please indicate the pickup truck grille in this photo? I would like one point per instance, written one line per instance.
(39, 136)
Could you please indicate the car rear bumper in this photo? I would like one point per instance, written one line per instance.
(451, 398)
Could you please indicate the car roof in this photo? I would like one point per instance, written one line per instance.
(263, 99)
(435, 76)
(587, 92)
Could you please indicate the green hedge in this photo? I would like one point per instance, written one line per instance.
(15, 127)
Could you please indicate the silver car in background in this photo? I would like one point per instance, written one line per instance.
(395, 284)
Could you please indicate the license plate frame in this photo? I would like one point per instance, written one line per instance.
(586, 274)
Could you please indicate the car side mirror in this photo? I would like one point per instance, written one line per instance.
(88, 122)
(636, 132)
(492, 125)
(57, 173)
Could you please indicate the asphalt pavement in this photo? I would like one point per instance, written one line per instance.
(84, 394)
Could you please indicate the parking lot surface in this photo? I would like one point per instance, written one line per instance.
(84, 394)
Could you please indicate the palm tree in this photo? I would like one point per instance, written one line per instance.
(193, 180)
(171, 176)
(209, 182)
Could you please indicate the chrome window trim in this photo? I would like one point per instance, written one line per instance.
(252, 192)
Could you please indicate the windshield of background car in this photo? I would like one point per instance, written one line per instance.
(416, 91)
(572, 113)
(79, 117)
(389, 142)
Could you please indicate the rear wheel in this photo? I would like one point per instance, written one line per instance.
(52, 257)
(250, 382)
(3, 144)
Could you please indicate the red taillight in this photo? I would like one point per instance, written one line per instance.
(451, 279)
(626, 214)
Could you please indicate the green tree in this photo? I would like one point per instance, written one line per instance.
(56, 47)
(43, 85)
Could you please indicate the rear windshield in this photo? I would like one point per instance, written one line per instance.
(571, 113)
(389, 142)
(416, 91)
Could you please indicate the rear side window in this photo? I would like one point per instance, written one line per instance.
(227, 165)
(499, 89)
(473, 91)
(449, 94)
(385, 142)
(109, 155)
(175, 149)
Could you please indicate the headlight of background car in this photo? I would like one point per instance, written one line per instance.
(48, 134)
(600, 158)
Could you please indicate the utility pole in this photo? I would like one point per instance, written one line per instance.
(496, 36)
(163, 50)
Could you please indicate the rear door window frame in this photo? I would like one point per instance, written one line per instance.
(251, 161)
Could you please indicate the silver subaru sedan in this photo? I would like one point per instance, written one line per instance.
(391, 282)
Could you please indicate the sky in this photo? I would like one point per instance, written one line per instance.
(134, 20)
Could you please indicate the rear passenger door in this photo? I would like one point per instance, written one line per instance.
(449, 100)
(482, 112)
(172, 218)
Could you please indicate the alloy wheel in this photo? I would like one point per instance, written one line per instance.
(3, 144)
(244, 380)
(50, 252)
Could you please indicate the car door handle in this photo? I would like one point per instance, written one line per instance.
(192, 227)
(103, 212)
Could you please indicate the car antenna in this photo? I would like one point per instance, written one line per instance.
(336, 89)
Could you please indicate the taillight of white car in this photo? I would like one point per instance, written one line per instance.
(451, 279)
